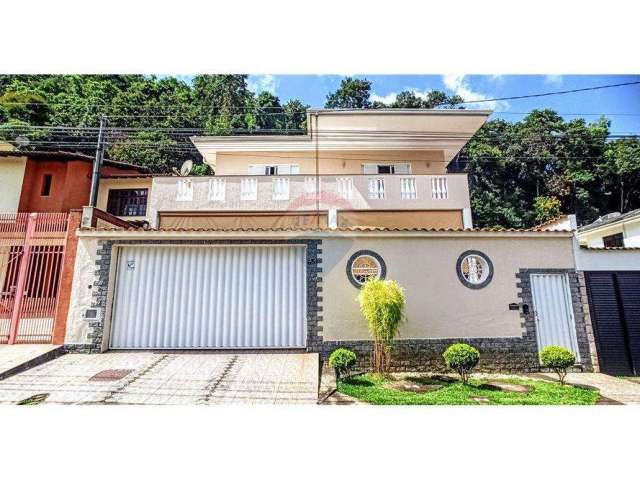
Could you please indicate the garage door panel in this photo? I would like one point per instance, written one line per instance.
(210, 297)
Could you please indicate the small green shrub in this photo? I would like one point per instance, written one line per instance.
(462, 358)
(558, 359)
(342, 361)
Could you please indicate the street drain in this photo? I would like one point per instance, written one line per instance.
(34, 399)
(110, 375)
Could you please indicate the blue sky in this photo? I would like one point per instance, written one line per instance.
(313, 89)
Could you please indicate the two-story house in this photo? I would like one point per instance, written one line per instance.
(270, 252)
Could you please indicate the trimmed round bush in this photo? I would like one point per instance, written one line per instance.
(462, 358)
(342, 360)
(559, 359)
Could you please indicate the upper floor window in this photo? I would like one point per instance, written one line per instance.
(127, 202)
(283, 169)
(386, 168)
(45, 189)
(615, 240)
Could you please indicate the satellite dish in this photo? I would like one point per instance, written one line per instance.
(22, 141)
(186, 167)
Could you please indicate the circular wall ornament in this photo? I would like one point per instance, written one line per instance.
(474, 269)
(363, 265)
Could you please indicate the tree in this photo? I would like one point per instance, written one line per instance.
(382, 304)
(352, 93)
(620, 170)
(435, 98)
(223, 102)
(546, 208)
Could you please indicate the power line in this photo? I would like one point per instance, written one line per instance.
(546, 94)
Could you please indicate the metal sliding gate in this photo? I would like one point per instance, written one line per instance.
(31, 258)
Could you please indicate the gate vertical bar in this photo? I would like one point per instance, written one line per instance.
(22, 277)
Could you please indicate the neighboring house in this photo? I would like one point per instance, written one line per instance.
(614, 230)
(42, 196)
(271, 251)
(48, 182)
(607, 256)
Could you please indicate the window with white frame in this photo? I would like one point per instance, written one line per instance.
(217, 189)
(344, 186)
(280, 188)
(439, 188)
(279, 169)
(184, 190)
(248, 189)
(376, 188)
(386, 168)
(408, 190)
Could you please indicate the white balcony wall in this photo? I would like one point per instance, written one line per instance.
(297, 193)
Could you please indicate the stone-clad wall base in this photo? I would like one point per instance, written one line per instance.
(496, 354)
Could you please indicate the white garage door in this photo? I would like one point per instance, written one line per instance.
(210, 297)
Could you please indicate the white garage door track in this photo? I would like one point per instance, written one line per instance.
(150, 378)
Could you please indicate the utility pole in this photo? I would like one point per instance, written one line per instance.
(97, 164)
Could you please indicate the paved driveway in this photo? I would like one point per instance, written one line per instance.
(149, 378)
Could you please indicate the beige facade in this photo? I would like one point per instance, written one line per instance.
(11, 178)
(438, 304)
(424, 264)
(339, 162)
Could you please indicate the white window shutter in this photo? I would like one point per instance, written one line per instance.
(402, 168)
(294, 169)
(370, 168)
(283, 169)
(256, 169)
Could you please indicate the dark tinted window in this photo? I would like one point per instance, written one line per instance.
(45, 190)
(616, 240)
(127, 202)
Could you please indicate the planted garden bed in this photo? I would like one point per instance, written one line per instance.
(441, 390)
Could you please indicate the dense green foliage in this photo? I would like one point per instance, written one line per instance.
(462, 358)
(342, 360)
(382, 304)
(375, 389)
(520, 173)
(557, 358)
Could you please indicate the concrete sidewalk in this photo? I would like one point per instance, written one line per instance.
(159, 378)
(18, 358)
(614, 390)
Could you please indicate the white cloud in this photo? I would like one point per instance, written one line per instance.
(391, 96)
(388, 98)
(459, 85)
(262, 83)
(553, 79)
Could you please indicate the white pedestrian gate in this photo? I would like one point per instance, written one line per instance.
(552, 306)
(189, 297)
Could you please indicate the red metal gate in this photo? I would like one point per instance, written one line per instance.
(31, 260)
